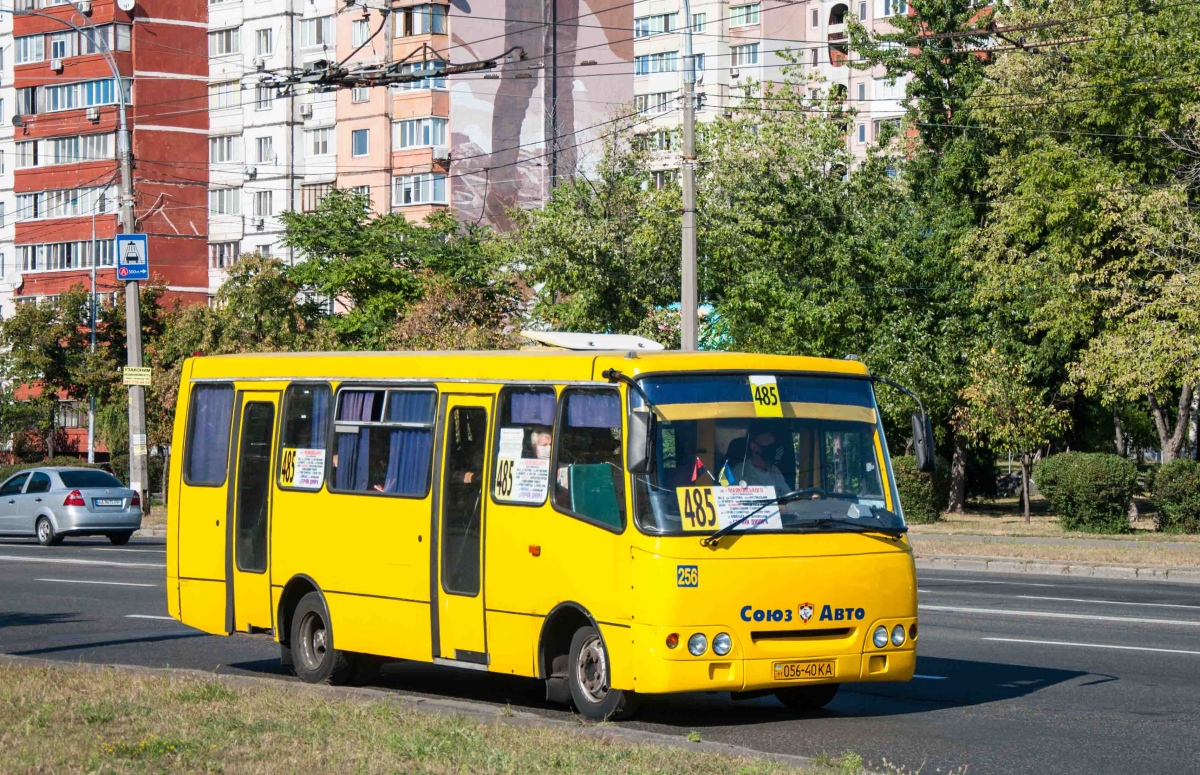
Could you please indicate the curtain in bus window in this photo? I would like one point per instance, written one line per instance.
(354, 449)
(586, 410)
(409, 448)
(532, 408)
(320, 418)
(208, 440)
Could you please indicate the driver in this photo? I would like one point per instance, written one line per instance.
(755, 464)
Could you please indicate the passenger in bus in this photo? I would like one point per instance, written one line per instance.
(752, 460)
(538, 444)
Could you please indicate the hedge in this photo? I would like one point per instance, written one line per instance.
(1090, 491)
(1177, 496)
(61, 461)
(924, 496)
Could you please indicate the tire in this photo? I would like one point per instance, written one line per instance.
(120, 539)
(314, 659)
(589, 674)
(807, 697)
(45, 532)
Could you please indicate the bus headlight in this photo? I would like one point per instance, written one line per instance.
(898, 635)
(722, 644)
(697, 644)
(880, 637)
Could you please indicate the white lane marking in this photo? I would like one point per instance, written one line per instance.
(85, 547)
(1109, 602)
(1056, 615)
(104, 583)
(148, 616)
(1093, 645)
(65, 561)
(978, 581)
(931, 677)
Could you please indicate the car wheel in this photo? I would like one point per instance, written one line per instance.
(589, 676)
(807, 697)
(120, 539)
(45, 533)
(314, 659)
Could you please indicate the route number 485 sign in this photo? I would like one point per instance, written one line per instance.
(766, 395)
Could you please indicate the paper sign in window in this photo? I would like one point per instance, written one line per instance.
(303, 469)
(522, 480)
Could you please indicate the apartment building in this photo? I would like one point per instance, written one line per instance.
(735, 41)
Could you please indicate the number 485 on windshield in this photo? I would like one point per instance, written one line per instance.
(696, 508)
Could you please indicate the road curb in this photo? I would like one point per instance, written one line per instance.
(482, 712)
(153, 532)
(980, 564)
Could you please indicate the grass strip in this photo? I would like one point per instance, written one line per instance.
(66, 719)
(1140, 555)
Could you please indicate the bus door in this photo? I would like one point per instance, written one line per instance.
(246, 548)
(457, 549)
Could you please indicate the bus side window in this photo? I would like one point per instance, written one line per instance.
(384, 441)
(589, 475)
(206, 457)
(523, 445)
(305, 429)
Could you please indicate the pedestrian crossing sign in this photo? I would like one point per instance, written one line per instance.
(133, 260)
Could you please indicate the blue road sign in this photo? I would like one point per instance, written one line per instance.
(133, 257)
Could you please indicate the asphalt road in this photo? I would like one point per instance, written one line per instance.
(1016, 674)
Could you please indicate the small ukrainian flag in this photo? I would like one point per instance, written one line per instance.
(726, 475)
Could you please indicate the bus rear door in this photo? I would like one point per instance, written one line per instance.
(247, 555)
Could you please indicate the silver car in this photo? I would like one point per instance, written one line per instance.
(52, 503)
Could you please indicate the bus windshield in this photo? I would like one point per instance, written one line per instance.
(727, 444)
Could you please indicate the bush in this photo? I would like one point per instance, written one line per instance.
(57, 461)
(119, 466)
(924, 496)
(1091, 492)
(1177, 496)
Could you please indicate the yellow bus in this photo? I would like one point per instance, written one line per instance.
(613, 523)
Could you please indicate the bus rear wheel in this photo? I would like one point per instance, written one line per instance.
(807, 697)
(589, 676)
(314, 659)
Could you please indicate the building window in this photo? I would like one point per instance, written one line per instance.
(225, 42)
(664, 178)
(3, 215)
(645, 26)
(743, 15)
(316, 32)
(699, 22)
(862, 12)
(65, 255)
(653, 104)
(224, 95)
(744, 55)
(30, 48)
(319, 142)
(363, 191)
(312, 195)
(862, 92)
(264, 97)
(360, 31)
(263, 204)
(222, 149)
(62, 45)
(222, 254)
(429, 188)
(70, 414)
(815, 59)
(72, 96)
(664, 62)
(891, 7)
(360, 94)
(65, 203)
(225, 201)
(264, 42)
(264, 152)
(660, 140)
(862, 133)
(816, 18)
(360, 142)
(419, 133)
(433, 82)
(420, 20)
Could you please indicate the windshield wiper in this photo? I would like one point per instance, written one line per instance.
(782, 499)
(891, 532)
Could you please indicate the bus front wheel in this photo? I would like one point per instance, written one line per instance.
(589, 675)
(807, 697)
(314, 658)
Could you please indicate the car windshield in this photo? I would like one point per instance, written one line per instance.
(83, 479)
(728, 444)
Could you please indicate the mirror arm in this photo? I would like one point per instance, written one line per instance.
(612, 375)
(902, 389)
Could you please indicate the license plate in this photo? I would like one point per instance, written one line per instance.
(794, 671)
(109, 501)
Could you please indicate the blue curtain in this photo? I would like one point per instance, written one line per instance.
(532, 407)
(208, 445)
(411, 406)
(320, 417)
(408, 461)
(354, 448)
(594, 410)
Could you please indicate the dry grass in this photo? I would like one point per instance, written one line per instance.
(71, 720)
(1144, 554)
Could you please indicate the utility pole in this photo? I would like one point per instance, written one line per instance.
(92, 317)
(689, 298)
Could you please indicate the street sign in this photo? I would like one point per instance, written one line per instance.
(136, 375)
(133, 258)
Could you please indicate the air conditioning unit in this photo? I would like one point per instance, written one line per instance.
(18, 120)
(56, 65)
(259, 223)
(251, 173)
(260, 63)
(441, 153)
(734, 72)
(84, 6)
(306, 111)
(93, 114)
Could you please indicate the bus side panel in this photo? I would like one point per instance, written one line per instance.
(512, 643)
(203, 605)
(619, 642)
(174, 483)
(372, 625)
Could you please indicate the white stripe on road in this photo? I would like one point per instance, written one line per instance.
(86, 547)
(65, 561)
(1093, 645)
(1109, 602)
(978, 581)
(931, 677)
(1055, 615)
(148, 616)
(104, 583)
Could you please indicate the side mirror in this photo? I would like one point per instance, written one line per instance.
(923, 442)
(642, 426)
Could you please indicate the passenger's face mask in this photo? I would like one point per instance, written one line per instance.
(543, 451)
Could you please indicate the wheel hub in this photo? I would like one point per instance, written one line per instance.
(592, 669)
(314, 641)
